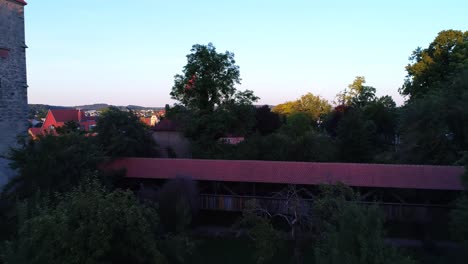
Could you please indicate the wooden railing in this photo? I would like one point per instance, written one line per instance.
(393, 211)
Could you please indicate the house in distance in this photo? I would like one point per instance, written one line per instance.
(56, 118)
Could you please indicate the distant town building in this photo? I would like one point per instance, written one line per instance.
(150, 121)
(58, 117)
(13, 83)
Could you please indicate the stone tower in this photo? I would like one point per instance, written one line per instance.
(13, 85)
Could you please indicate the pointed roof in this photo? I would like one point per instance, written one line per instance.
(65, 115)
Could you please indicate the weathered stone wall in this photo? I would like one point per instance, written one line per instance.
(13, 84)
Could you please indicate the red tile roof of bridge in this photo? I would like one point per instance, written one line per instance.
(353, 174)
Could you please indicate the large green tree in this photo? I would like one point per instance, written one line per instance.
(433, 67)
(209, 104)
(208, 80)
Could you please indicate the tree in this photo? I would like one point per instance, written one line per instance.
(312, 105)
(208, 80)
(383, 113)
(297, 125)
(357, 238)
(266, 120)
(87, 225)
(52, 164)
(313, 146)
(210, 106)
(122, 134)
(435, 127)
(178, 203)
(291, 210)
(348, 232)
(266, 238)
(330, 222)
(437, 64)
(459, 215)
(358, 94)
(354, 136)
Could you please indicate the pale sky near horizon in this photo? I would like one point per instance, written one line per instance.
(127, 52)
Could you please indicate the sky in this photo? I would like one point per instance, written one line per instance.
(125, 52)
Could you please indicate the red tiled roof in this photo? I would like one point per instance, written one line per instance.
(65, 115)
(312, 173)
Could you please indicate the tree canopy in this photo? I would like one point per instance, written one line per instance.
(312, 105)
(208, 80)
(433, 67)
(53, 164)
(87, 225)
(122, 134)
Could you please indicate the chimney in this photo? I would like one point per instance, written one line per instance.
(79, 115)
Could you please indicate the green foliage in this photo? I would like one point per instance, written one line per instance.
(208, 80)
(357, 237)
(271, 147)
(354, 136)
(445, 57)
(459, 215)
(87, 225)
(312, 105)
(122, 134)
(266, 121)
(266, 238)
(237, 119)
(52, 164)
(434, 121)
(459, 223)
(436, 137)
(69, 127)
(383, 113)
(314, 146)
(357, 94)
(178, 248)
(211, 107)
(349, 232)
(178, 203)
(329, 205)
(297, 124)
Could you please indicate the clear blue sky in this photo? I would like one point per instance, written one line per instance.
(127, 51)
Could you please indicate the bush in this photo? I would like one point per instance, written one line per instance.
(86, 225)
